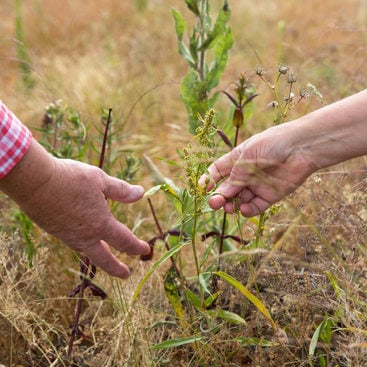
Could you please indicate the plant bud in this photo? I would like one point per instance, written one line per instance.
(237, 120)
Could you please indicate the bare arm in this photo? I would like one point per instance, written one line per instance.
(68, 199)
(270, 165)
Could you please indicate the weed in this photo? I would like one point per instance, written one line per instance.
(206, 55)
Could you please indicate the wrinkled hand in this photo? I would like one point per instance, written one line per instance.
(72, 206)
(257, 173)
(68, 199)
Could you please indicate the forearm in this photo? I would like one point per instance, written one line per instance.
(332, 134)
(35, 168)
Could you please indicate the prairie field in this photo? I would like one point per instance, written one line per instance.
(292, 292)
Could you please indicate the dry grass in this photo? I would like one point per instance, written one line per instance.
(113, 55)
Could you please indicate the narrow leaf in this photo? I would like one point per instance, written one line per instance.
(180, 24)
(219, 28)
(171, 343)
(228, 316)
(153, 190)
(193, 6)
(251, 297)
(194, 299)
(315, 339)
(160, 261)
(221, 50)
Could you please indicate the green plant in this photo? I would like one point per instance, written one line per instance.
(64, 134)
(206, 54)
(197, 298)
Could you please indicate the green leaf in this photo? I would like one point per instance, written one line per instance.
(194, 94)
(161, 323)
(160, 261)
(193, 6)
(194, 299)
(251, 297)
(219, 28)
(211, 299)
(221, 51)
(334, 283)
(315, 339)
(228, 316)
(171, 343)
(180, 24)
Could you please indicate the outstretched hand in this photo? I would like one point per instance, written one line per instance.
(257, 173)
(80, 216)
(68, 199)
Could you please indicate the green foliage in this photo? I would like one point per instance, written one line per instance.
(251, 297)
(27, 229)
(206, 54)
(322, 333)
(171, 343)
(64, 134)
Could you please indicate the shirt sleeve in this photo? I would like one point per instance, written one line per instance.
(15, 139)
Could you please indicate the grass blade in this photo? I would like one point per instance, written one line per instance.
(171, 343)
(160, 261)
(251, 297)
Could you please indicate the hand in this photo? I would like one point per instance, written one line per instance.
(257, 173)
(68, 199)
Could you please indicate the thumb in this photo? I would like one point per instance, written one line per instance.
(121, 191)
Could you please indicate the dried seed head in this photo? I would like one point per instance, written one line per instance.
(310, 90)
(283, 69)
(289, 98)
(260, 71)
(292, 78)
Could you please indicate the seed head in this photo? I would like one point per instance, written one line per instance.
(292, 78)
(283, 69)
(260, 71)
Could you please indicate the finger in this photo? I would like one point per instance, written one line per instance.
(122, 239)
(217, 201)
(101, 256)
(220, 168)
(255, 207)
(231, 187)
(121, 191)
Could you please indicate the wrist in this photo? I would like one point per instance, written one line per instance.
(29, 175)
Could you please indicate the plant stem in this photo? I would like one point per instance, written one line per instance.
(78, 309)
(202, 32)
(162, 235)
(87, 269)
(193, 239)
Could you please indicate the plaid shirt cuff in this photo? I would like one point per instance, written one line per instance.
(15, 140)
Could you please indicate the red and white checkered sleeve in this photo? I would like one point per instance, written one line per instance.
(15, 139)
